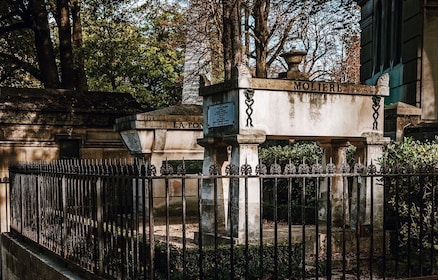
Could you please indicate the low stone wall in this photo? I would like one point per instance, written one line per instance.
(21, 261)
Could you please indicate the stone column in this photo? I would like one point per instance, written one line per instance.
(245, 204)
(335, 152)
(374, 144)
(212, 193)
(231, 213)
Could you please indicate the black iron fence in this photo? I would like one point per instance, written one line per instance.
(4, 204)
(121, 220)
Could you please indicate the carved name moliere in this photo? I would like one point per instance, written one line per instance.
(316, 86)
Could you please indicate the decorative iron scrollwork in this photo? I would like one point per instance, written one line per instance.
(275, 168)
(317, 168)
(181, 169)
(166, 169)
(372, 169)
(214, 169)
(261, 169)
(376, 107)
(246, 169)
(330, 168)
(249, 101)
(232, 169)
(303, 168)
(359, 167)
(290, 168)
(345, 168)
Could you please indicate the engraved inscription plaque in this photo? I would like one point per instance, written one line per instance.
(221, 115)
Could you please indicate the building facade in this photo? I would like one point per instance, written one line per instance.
(400, 37)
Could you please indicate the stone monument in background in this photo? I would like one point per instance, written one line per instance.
(197, 55)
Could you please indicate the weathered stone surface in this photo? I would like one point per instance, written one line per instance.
(37, 124)
(33, 121)
(23, 262)
(241, 114)
(398, 116)
(169, 133)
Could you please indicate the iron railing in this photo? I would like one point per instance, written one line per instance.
(4, 204)
(123, 221)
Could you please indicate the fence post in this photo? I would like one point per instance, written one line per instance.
(38, 202)
(99, 218)
(64, 216)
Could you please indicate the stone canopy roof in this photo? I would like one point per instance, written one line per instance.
(64, 107)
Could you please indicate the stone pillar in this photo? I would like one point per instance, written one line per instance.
(212, 193)
(374, 144)
(245, 205)
(231, 212)
(335, 152)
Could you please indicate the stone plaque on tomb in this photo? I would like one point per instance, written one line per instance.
(221, 115)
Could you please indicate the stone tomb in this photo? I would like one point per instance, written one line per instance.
(240, 115)
(166, 135)
(52, 124)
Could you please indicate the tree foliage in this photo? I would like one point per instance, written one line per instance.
(325, 29)
(138, 47)
(141, 49)
(97, 45)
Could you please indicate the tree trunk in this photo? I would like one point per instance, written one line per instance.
(261, 32)
(80, 76)
(65, 47)
(231, 39)
(43, 44)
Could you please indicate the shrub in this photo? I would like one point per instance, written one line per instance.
(310, 152)
(219, 262)
(411, 212)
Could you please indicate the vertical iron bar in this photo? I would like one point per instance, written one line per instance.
(289, 223)
(432, 226)
(303, 229)
(421, 183)
(130, 200)
(151, 226)
(358, 224)
(121, 232)
(329, 229)
(246, 230)
(317, 187)
(21, 204)
(134, 225)
(344, 241)
(167, 228)
(275, 227)
(99, 218)
(397, 223)
(64, 216)
(261, 269)
(145, 207)
(8, 203)
(215, 197)
(371, 227)
(200, 252)
(184, 220)
(409, 227)
(231, 221)
(384, 226)
(38, 209)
